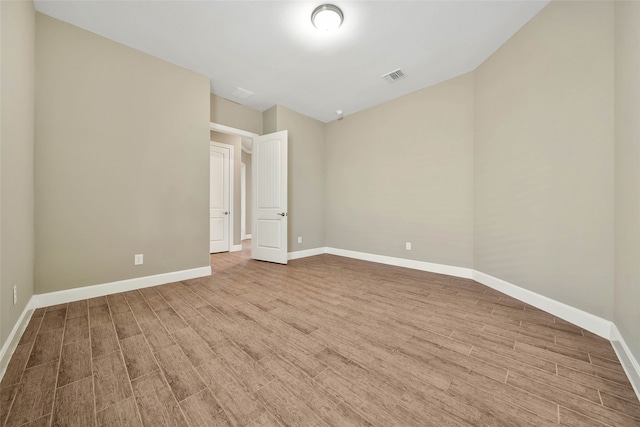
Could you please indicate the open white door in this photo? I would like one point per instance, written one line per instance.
(220, 158)
(269, 183)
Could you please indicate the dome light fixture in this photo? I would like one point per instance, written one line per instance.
(327, 17)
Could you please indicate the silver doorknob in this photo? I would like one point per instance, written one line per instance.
(283, 214)
(226, 213)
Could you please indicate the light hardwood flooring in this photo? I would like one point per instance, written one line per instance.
(323, 341)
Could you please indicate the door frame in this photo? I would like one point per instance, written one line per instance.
(243, 201)
(231, 188)
(236, 132)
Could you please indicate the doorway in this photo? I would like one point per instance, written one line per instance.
(265, 217)
(220, 197)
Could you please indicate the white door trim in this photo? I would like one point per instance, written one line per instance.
(231, 187)
(243, 201)
(231, 131)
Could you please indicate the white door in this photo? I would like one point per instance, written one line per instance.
(243, 201)
(269, 208)
(220, 158)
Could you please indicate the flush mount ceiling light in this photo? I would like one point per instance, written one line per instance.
(327, 17)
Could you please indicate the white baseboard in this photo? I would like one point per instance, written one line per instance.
(14, 338)
(246, 237)
(629, 362)
(588, 321)
(236, 248)
(306, 253)
(402, 262)
(69, 295)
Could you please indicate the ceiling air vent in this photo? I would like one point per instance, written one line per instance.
(242, 93)
(394, 75)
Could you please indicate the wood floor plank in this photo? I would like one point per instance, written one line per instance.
(570, 401)
(133, 297)
(117, 303)
(496, 409)
(247, 370)
(355, 397)
(138, 357)
(589, 393)
(180, 375)
(170, 319)
(591, 380)
(317, 399)
(574, 419)
(74, 405)
(99, 314)
(274, 324)
(142, 311)
(17, 365)
(183, 308)
(46, 347)
(103, 340)
(6, 400)
(122, 414)
(157, 302)
(30, 333)
(210, 334)
(40, 422)
(110, 380)
(157, 335)
(54, 319)
(240, 404)
(126, 325)
(287, 408)
(625, 406)
(75, 362)
(76, 329)
(194, 300)
(156, 403)
(265, 420)
(202, 410)
(34, 396)
(194, 346)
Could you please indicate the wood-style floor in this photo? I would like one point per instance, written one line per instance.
(323, 341)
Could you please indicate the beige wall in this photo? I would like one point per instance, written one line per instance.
(627, 157)
(246, 159)
(544, 157)
(16, 164)
(235, 141)
(403, 171)
(121, 161)
(306, 178)
(269, 120)
(229, 113)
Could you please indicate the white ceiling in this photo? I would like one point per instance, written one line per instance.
(272, 49)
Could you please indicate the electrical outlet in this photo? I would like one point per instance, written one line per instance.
(15, 295)
(138, 259)
(299, 239)
(407, 246)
